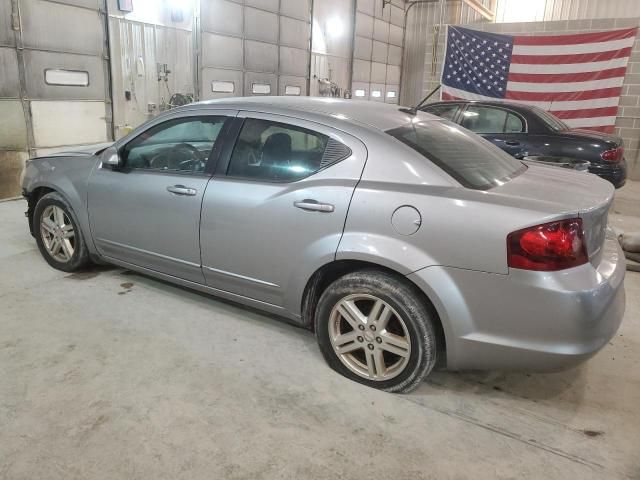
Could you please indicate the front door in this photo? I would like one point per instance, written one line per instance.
(147, 213)
(279, 212)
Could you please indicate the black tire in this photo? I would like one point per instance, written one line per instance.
(407, 301)
(80, 257)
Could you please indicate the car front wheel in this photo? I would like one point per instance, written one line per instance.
(58, 236)
(375, 328)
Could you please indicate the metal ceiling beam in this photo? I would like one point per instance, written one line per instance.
(487, 12)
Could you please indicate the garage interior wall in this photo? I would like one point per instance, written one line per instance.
(53, 65)
(377, 50)
(332, 47)
(425, 47)
(144, 45)
(255, 47)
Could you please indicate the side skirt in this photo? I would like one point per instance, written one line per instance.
(257, 304)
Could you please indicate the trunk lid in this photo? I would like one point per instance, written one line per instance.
(564, 193)
(608, 138)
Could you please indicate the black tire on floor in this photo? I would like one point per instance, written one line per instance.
(407, 301)
(80, 257)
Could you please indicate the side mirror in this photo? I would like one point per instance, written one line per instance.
(111, 159)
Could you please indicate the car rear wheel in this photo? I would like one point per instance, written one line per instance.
(374, 327)
(58, 236)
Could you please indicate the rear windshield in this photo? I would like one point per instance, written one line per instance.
(471, 160)
(551, 121)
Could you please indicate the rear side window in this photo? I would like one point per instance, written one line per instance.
(484, 119)
(472, 161)
(278, 152)
(514, 124)
(447, 111)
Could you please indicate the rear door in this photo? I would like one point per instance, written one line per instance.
(276, 209)
(148, 212)
(504, 128)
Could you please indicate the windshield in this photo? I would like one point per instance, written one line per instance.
(471, 160)
(551, 121)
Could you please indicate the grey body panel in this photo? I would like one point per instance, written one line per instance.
(255, 247)
(256, 243)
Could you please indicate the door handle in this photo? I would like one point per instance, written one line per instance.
(182, 190)
(314, 206)
(512, 143)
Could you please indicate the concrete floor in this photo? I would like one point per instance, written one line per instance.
(109, 374)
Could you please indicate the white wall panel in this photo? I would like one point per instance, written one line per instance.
(271, 5)
(49, 25)
(395, 55)
(380, 30)
(9, 79)
(221, 51)
(221, 16)
(260, 25)
(300, 9)
(36, 62)
(382, 10)
(294, 33)
(68, 123)
(378, 72)
(294, 61)
(291, 81)
(361, 71)
(6, 33)
(366, 6)
(13, 129)
(362, 48)
(364, 25)
(395, 35)
(261, 57)
(380, 52)
(255, 78)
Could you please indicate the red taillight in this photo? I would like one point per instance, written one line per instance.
(614, 155)
(548, 247)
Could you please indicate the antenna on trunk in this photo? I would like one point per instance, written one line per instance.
(414, 110)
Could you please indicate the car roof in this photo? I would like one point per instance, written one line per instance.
(522, 107)
(378, 115)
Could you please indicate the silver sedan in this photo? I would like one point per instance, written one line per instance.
(402, 240)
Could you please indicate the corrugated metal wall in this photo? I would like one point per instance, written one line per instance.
(331, 47)
(140, 41)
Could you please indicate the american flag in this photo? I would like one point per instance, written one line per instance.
(578, 77)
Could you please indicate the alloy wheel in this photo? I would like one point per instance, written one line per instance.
(58, 235)
(369, 337)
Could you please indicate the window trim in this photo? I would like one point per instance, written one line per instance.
(456, 117)
(497, 107)
(224, 162)
(212, 159)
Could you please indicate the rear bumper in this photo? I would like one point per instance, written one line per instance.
(536, 321)
(616, 174)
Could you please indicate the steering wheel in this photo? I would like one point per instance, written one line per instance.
(164, 159)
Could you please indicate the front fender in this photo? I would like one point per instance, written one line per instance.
(69, 177)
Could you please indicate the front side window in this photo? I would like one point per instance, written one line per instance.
(471, 160)
(176, 145)
(447, 110)
(279, 152)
